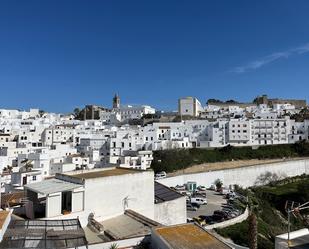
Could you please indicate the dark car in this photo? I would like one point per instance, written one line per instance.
(194, 204)
(217, 218)
(207, 218)
(223, 214)
(191, 207)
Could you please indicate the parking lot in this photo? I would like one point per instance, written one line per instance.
(214, 200)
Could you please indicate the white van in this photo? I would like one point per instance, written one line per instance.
(199, 200)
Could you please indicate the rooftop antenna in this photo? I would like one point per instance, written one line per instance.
(294, 208)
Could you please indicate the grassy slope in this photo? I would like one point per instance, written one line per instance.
(172, 160)
(269, 204)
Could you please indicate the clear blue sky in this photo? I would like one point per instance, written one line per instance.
(57, 55)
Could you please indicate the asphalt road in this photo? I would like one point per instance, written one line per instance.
(214, 203)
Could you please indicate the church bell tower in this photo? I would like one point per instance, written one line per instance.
(116, 102)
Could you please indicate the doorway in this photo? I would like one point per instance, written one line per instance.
(66, 202)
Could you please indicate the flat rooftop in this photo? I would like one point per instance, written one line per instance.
(128, 225)
(104, 173)
(187, 236)
(51, 186)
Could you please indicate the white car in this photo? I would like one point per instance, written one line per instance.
(213, 187)
(201, 188)
(160, 175)
(198, 200)
(180, 187)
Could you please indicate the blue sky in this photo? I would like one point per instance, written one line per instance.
(57, 55)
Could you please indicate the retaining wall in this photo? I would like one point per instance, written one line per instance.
(244, 176)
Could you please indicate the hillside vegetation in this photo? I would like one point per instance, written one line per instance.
(268, 203)
(177, 159)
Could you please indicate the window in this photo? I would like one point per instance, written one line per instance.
(33, 178)
(122, 144)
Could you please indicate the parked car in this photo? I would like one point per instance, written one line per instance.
(217, 218)
(199, 200)
(186, 193)
(189, 220)
(231, 195)
(180, 187)
(209, 220)
(191, 207)
(200, 221)
(213, 187)
(201, 188)
(230, 201)
(232, 215)
(160, 175)
(223, 214)
(196, 205)
(199, 194)
(224, 191)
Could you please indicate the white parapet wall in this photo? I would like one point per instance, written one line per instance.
(126, 243)
(244, 176)
(230, 222)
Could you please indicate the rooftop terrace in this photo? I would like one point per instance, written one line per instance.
(188, 236)
(104, 173)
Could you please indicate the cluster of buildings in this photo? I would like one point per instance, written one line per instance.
(93, 168)
(35, 145)
(117, 114)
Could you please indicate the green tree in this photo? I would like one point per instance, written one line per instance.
(303, 188)
(218, 183)
(76, 112)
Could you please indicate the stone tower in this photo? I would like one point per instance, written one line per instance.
(116, 101)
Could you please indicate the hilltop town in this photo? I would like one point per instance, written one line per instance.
(95, 173)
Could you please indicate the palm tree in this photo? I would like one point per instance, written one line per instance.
(252, 231)
(28, 164)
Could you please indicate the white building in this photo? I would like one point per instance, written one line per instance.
(189, 106)
(105, 193)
